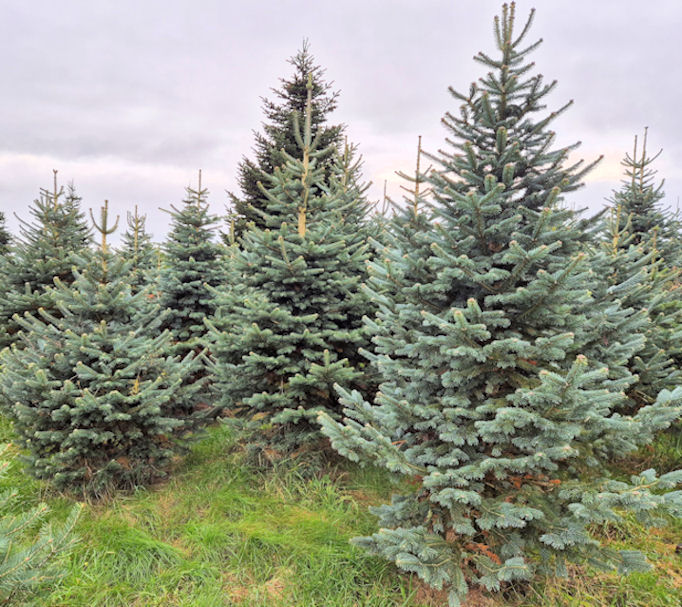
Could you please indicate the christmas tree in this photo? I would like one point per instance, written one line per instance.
(500, 426)
(27, 564)
(43, 252)
(637, 208)
(290, 325)
(94, 396)
(190, 267)
(639, 202)
(278, 141)
(629, 327)
(138, 249)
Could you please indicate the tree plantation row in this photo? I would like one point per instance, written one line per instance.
(489, 346)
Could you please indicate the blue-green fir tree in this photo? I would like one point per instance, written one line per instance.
(190, 267)
(639, 201)
(630, 325)
(655, 230)
(95, 397)
(289, 326)
(501, 428)
(137, 248)
(42, 252)
(31, 549)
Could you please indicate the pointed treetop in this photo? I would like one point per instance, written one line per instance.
(136, 226)
(640, 173)
(103, 227)
(417, 180)
(55, 192)
(640, 195)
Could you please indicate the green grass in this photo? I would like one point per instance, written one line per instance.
(222, 534)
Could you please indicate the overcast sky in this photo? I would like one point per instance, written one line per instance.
(128, 99)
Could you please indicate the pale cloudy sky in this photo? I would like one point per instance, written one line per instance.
(129, 98)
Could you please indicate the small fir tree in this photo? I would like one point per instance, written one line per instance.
(95, 398)
(501, 427)
(42, 252)
(278, 141)
(138, 249)
(289, 326)
(655, 232)
(628, 324)
(191, 266)
(30, 548)
(639, 202)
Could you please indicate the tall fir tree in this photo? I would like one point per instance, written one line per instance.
(137, 248)
(278, 139)
(190, 267)
(43, 251)
(95, 397)
(501, 427)
(290, 324)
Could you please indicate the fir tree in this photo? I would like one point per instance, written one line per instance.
(290, 325)
(28, 563)
(487, 407)
(639, 202)
(138, 249)
(190, 267)
(278, 140)
(642, 238)
(43, 251)
(629, 326)
(95, 398)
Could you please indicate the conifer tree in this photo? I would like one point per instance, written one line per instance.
(95, 397)
(290, 325)
(138, 249)
(42, 252)
(278, 140)
(27, 563)
(486, 405)
(629, 326)
(642, 229)
(639, 202)
(190, 267)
